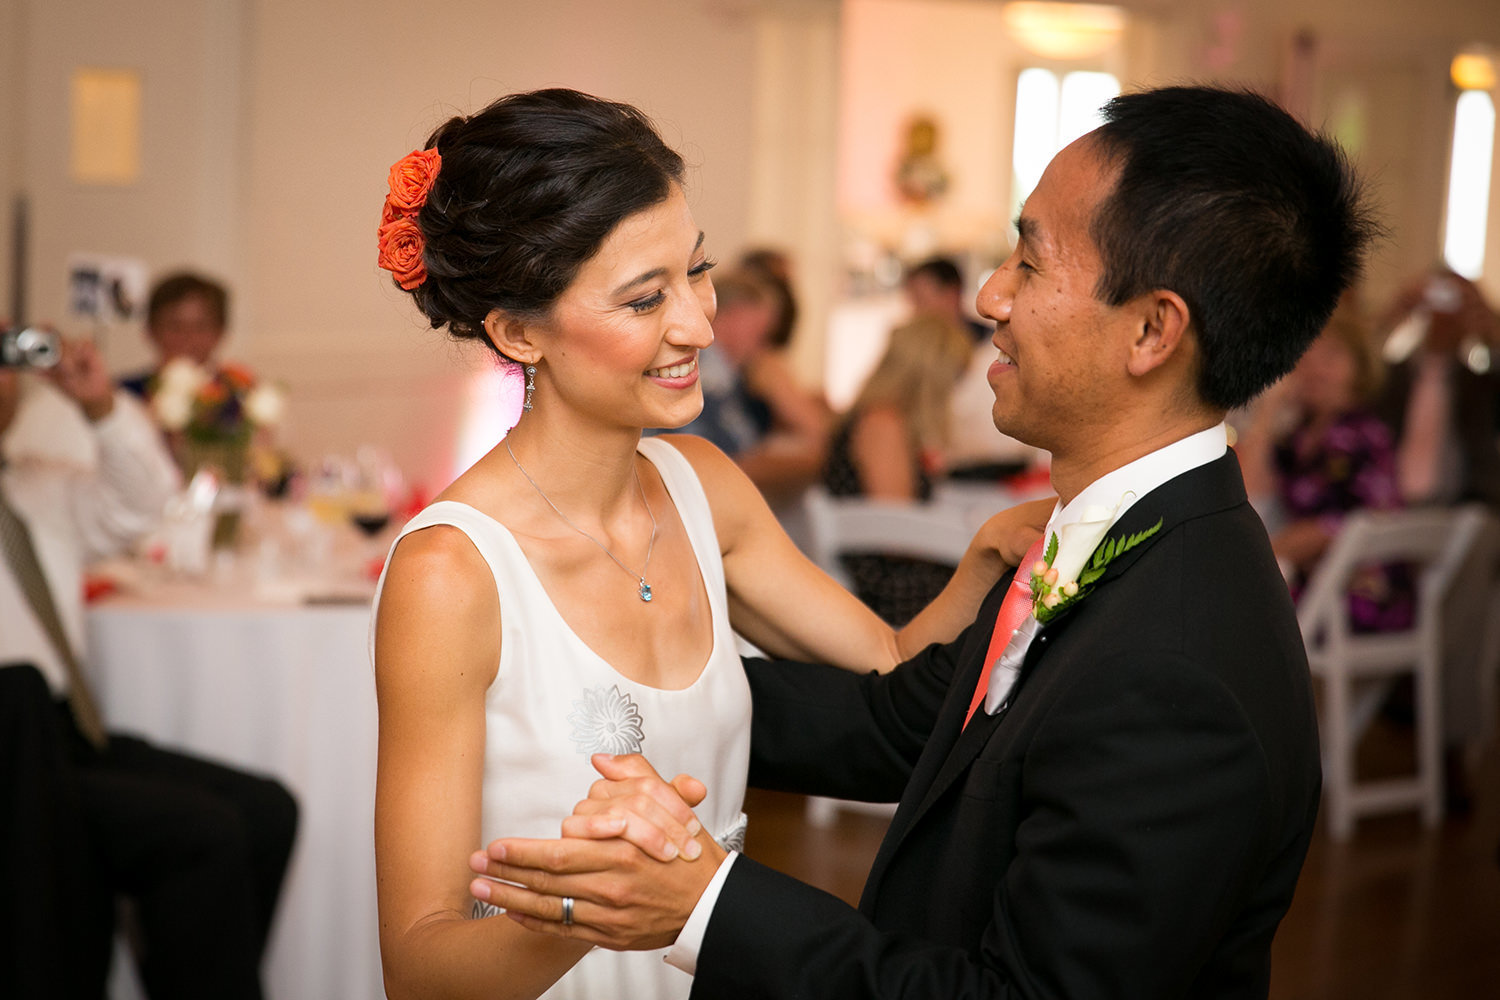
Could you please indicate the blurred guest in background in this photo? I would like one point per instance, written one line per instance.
(790, 454)
(732, 418)
(889, 446)
(753, 407)
(775, 266)
(215, 413)
(1443, 398)
(186, 317)
(1443, 394)
(935, 287)
(199, 848)
(1315, 444)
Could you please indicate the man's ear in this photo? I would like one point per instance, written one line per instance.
(512, 337)
(1162, 332)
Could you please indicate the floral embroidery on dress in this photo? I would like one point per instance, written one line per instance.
(606, 721)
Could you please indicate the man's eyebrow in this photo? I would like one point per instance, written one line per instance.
(1026, 229)
(654, 273)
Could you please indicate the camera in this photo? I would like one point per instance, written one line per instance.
(29, 347)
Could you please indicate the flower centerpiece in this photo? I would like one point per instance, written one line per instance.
(214, 413)
(211, 419)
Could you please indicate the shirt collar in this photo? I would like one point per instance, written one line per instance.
(1127, 484)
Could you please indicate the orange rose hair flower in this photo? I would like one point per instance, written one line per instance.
(411, 178)
(401, 252)
(400, 239)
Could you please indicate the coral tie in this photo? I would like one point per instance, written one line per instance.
(1013, 611)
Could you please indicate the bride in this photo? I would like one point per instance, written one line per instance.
(578, 589)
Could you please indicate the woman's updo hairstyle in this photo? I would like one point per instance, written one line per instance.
(529, 189)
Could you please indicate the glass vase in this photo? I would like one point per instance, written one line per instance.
(229, 461)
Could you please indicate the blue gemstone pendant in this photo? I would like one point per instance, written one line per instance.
(645, 591)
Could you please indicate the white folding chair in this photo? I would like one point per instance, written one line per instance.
(1487, 556)
(843, 525)
(1356, 670)
(1489, 662)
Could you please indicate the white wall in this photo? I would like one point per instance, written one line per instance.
(948, 59)
(1379, 68)
(12, 80)
(268, 129)
(339, 90)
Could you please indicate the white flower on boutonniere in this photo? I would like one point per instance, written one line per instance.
(1076, 557)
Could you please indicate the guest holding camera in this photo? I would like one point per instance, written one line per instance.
(200, 849)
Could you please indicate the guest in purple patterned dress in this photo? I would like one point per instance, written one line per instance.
(1336, 456)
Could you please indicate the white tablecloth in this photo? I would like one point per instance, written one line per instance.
(282, 689)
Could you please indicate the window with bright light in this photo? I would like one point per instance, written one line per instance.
(1469, 183)
(1051, 111)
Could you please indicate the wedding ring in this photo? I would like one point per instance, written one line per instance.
(567, 911)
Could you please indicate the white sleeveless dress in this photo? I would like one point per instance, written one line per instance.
(554, 702)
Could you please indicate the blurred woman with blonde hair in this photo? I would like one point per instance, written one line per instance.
(888, 447)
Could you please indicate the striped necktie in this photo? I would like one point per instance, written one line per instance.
(20, 555)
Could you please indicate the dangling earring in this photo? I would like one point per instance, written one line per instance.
(530, 386)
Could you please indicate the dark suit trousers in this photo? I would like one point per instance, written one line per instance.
(200, 849)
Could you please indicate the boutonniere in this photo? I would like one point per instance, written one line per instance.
(1076, 558)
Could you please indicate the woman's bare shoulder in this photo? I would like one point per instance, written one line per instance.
(732, 497)
(437, 581)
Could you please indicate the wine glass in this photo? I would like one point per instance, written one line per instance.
(329, 489)
(375, 488)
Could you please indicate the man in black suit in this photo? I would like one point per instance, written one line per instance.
(1115, 798)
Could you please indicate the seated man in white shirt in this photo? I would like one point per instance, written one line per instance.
(200, 849)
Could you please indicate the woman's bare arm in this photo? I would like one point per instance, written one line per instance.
(437, 647)
(784, 604)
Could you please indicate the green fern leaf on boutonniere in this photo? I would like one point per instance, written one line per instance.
(1051, 596)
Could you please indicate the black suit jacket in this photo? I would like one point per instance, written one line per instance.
(1132, 825)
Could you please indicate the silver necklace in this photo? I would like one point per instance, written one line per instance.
(645, 588)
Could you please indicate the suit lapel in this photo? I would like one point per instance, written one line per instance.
(950, 752)
(946, 731)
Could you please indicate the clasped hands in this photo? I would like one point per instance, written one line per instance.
(633, 857)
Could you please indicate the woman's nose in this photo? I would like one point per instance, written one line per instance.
(692, 326)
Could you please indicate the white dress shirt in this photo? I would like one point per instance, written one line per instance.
(1120, 490)
(1117, 491)
(76, 515)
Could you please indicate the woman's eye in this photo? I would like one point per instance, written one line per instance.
(648, 303)
(700, 269)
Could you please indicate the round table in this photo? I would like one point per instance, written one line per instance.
(282, 688)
